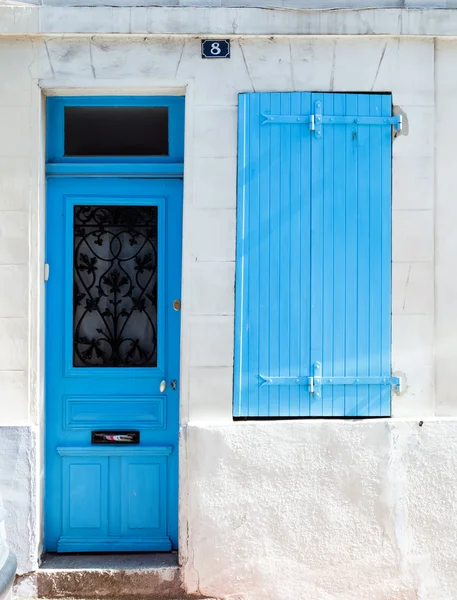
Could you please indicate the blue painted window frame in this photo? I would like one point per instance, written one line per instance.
(57, 161)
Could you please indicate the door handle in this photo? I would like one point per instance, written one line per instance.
(163, 385)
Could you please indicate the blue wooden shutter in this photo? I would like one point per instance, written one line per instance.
(313, 283)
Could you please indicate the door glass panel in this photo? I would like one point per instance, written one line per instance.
(115, 286)
(116, 130)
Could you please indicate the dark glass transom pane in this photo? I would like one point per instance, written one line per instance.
(116, 131)
(115, 286)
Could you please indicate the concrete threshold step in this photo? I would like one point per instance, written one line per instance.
(141, 576)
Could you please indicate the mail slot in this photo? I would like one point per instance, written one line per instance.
(115, 437)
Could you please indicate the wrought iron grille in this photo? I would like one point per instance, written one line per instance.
(115, 286)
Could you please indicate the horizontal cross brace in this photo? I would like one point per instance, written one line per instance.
(395, 121)
(316, 382)
(288, 119)
(316, 121)
(285, 380)
(357, 380)
(329, 380)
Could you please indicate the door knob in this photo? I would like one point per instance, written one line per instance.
(163, 385)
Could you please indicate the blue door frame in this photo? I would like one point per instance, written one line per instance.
(115, 496)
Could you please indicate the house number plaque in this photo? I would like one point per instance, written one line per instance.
(215, 48)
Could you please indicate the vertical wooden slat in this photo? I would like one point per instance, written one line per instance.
(363, 255)
(264, 269)
(287, 246)
(376, 257)
(296, 296)
(350, 275)
(316, 282)
(240, 380)
(304, 321)
(328, 267)
(339, 253)
(275, 251)
(253, 256)
(386, 252)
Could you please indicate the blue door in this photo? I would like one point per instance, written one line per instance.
(113, 247)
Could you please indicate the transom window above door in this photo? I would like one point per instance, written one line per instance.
(116, 131)
(126, 130)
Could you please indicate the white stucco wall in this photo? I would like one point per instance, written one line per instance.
(318, 510)
(324, 510)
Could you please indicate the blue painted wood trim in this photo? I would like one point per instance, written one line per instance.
(114, 450)
(169, 170)
(87, 412)
(162, 544)
(240, 255)
(55, 128)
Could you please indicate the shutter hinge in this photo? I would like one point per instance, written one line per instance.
(317, 119)
(319, 381)
(289, 119)
(46, 271)
(285, 380)
(316, 381)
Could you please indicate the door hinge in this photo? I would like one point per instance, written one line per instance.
(46, 271)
